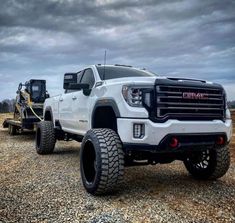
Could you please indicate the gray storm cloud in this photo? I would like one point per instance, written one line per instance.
(46, 38)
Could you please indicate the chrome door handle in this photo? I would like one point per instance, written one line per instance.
(74, 97)
(61, 99)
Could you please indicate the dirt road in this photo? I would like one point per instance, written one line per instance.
(48, 188)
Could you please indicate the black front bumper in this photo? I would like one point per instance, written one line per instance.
(187, 143)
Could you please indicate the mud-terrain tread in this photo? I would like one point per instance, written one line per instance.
(47, 139)
(111, 169)
(221, 163)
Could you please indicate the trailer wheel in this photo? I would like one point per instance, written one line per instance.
(11, 130)
(45, 137)
(209, 164)
(101, 161)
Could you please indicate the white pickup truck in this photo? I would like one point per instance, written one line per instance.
(127, 116)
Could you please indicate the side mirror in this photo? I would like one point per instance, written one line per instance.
(76, 86)
(69, 78)
(20, 86)
(85, 87)
(87, 91)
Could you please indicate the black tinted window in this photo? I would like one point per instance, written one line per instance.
(118, 72)
(79, 76)
(38, 91)
(88, 78)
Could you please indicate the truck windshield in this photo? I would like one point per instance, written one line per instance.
(112, 72)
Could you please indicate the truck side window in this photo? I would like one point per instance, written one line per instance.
(88, 78)
(79, 76)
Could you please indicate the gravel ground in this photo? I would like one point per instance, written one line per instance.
(36, 188)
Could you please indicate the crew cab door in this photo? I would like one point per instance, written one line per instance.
(65, 111)
(81, 112)
(66, 103)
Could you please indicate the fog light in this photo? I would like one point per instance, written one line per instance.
(220, 140)
(174, 142)
(138, 131)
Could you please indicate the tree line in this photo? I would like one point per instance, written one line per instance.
(7, 105)
(231, 104)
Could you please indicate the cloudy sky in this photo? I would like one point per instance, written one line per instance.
(46, 38)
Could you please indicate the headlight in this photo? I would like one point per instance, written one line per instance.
(227, 114)
(227, 111)
(135, 96)
(225, 100)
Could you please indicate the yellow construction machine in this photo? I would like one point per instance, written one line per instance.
(28, 107)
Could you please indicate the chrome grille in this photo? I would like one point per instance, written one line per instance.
(171, 103)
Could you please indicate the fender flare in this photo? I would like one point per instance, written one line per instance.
(105, 102)
(48, 109)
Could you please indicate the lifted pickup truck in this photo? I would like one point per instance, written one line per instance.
(126, 116)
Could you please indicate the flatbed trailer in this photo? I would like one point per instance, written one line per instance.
(15, 126)
(28, 107)
(24, 124)
(10, 121)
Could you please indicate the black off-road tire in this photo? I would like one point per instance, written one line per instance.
(218, 162)
(101, 161)
(45, 137)
(12, 130)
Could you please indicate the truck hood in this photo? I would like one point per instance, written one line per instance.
(133, 80)
(153, 80)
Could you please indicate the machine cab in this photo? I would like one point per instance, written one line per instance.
(36, 90)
